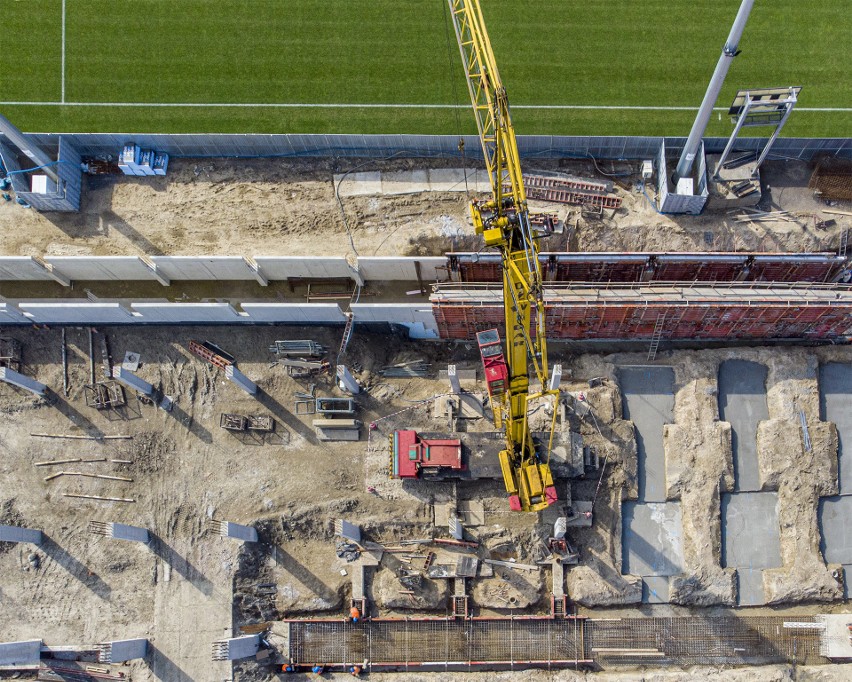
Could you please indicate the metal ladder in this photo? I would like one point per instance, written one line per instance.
(347, 333)
(657, 335)
(558, 606)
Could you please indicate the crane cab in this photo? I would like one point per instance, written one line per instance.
(493, 363)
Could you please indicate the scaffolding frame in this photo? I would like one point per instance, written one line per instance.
(759, 107)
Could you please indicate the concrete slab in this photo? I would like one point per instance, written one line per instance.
(652, 539)
(835, 402)
(449, 179)
(750, 587)
(358, 184)
(405, 182)
(750, 532)
(655, 590)
(836, 530)
(742, 403)
(649, 403)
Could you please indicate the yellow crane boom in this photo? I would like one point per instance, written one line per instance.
(504, 223)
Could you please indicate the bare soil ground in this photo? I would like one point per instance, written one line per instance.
(288, 207)
(189, 587)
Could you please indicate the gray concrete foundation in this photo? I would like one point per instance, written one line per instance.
(742, 403)
(835, 522)
(649, 403)
(652, 539)
(835, 393)
(751, 541)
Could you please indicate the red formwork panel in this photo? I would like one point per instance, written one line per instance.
(631, 320)
(480, 272)
(697, 271)
(785, 271)
(600, 271)
(669, 267)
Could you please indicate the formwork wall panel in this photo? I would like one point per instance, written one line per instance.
(713, 320)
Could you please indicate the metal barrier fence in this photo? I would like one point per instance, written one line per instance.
(439, 146)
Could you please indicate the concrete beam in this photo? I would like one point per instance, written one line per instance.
(16, 534)
(122, 650)
(10, 376)
(20, 653)
(456, 527)
(346, 381)
(259, 275)
(227, 529)
(119, 531)
(236, 376)
(158, 274)
(236, 648)
(53, 273)
(555, 378)
(452, 375)
(130, 380)
(347, 530)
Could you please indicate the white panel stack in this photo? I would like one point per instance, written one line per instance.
(146, 162)
(161, 163)
(128, 160)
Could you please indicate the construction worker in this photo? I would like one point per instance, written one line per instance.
(354, 614)
(355, 671)
(288, 668)
(318, 669)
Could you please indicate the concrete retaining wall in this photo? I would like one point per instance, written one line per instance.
(84, 268)
(417, 317)
(294, 313)
(282, 267)
(76, 313)
(184, 313)
(395, 269)
(21, 268)
(10, 314)
(203, 268)
(216, 268)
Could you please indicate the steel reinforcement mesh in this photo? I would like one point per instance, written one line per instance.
(558, 642)
(700, 641)
(404, 643)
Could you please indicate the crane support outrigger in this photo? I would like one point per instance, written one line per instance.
(504, 223)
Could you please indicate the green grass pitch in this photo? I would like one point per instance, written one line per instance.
(550, 52)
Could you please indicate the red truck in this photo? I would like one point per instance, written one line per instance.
(413, 456)
(493, 363)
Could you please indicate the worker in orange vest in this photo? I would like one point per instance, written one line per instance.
(354, 614)
(355, 671)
